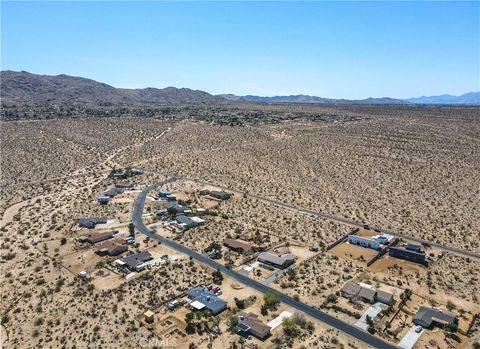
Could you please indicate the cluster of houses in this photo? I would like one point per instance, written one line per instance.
(249, 324)
(220, 195)
(410, 252)
(183, 215)
(425, 317)
(106, 243)
(128, 172)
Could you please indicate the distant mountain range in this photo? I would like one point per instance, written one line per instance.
(467, 98)
(32, 88)
(311, 99)
(24, 87)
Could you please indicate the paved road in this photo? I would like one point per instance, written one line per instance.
(458, 251)
(317, 314)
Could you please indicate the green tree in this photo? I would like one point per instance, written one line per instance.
(232, 323)
(451, 305)
(270, 299)
(131, 230)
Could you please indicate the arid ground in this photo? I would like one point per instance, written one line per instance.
(408, 169)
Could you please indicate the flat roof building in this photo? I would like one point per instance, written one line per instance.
(189, 222)
(281, 262)
(408, 255)
(103, 200)
(200, 296)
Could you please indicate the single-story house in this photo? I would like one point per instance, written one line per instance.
(375, 242)
(136, 171)
(112, 247)
(113, 192)
(164, 193)
(135, 261)
(189, 222)
(366, 293)
(171, 197)
(384, 297)
(204, 299)
(408, 255)
(93, 238)
(219, 195)
(124, 185)
(250, 324)
(429, 317)
(103, 200)
(283, 261)
(176, 206)
(239, 246)
(414, 248)
(91, 222)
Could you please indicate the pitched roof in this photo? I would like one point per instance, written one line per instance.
(427, 315)
(275, 259)
(238, 244)
(367, 293)
(95, 237)
(384, 297)
(136, 259)
(112, 247)
(254, 324)
(350, 288)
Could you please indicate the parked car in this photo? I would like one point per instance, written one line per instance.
(418, 329)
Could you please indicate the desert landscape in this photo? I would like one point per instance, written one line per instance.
(383, 166)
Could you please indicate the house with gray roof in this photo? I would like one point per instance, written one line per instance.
(204, 299)
(429, 317)
(189, 222)
(280, 261)
(136, 260)
(368, 294)
(250, 324)
(91, 222)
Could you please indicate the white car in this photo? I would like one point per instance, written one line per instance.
(418, 329)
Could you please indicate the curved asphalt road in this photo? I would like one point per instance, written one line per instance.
(317, 314)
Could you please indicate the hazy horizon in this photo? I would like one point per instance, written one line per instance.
(333, 50)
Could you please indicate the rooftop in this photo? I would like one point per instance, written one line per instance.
(207, 298)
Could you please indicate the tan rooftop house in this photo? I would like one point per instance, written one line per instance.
(112, 247)
(250, 324)
(239, 246)
(93, 238)
(149, 316)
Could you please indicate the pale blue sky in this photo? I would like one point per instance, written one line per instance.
(329, 49)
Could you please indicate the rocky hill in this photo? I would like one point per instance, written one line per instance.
(24, 87)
